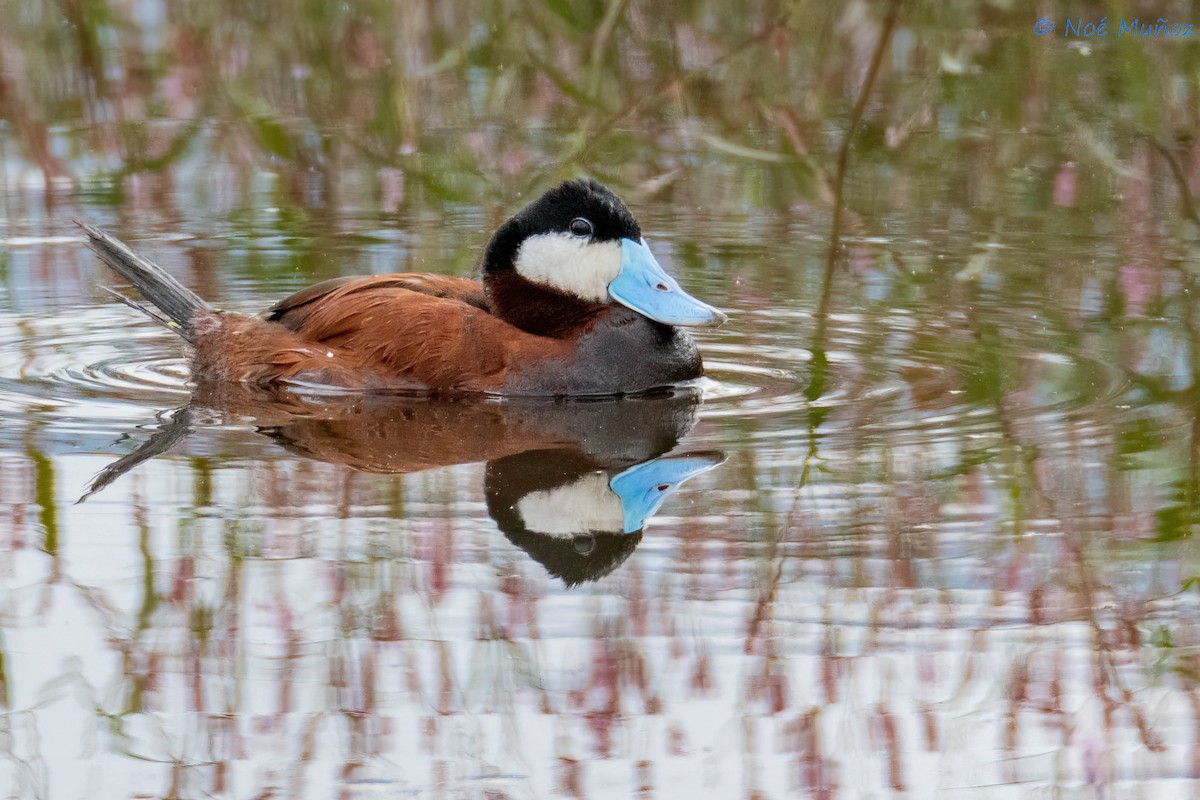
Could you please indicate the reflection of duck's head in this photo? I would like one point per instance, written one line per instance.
(576, 516)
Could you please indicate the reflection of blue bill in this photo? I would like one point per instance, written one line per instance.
(1043, 26)
(643, 487)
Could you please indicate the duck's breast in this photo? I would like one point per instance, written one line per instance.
(625, 353)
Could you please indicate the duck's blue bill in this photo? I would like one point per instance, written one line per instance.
(646, 287)
(643, 487)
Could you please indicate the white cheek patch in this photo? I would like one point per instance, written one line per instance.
(579, 507)
(578, 266)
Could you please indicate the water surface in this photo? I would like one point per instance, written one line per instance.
(928, 523)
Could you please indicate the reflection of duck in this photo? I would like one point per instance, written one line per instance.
(572, 484)
(572, 303)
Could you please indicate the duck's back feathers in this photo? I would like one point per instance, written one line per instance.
(291, 311)
(374, 333)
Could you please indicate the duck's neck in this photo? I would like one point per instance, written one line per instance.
(538, 310)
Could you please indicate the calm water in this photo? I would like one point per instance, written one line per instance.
(925, 530)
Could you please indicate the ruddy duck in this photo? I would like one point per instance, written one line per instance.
(572, 303)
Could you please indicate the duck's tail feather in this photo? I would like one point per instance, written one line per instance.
(174, 305)
(150, 311)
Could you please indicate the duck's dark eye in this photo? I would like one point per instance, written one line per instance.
(580, 227)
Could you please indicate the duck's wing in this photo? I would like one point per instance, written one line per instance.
(382, 336)
(292, 311)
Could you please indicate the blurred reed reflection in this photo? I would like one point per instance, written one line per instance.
(570, 483)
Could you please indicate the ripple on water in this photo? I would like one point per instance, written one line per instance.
(101, 363)
(128, 376)
(90, 364)
(877, 382)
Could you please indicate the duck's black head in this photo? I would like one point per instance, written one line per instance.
(574, 251)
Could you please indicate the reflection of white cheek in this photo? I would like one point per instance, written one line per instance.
(585, 505)
(569, 263)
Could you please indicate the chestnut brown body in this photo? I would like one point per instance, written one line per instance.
(431, 333)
